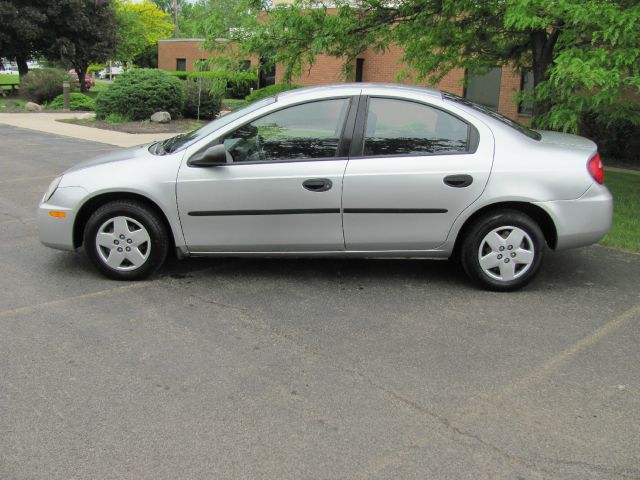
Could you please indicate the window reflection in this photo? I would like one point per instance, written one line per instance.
(397, 127)
(307, 131)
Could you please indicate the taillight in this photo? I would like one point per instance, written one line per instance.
(595, 168)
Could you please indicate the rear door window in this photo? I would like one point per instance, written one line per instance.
(400, 127)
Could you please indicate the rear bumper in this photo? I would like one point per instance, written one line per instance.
(57, 232)
(582, 221)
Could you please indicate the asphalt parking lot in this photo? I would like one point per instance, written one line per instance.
(305, 369)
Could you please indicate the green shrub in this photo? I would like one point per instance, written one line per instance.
(210, 98)
(139, 92)
(43, 84)
(116, 118)
(236, 83)
(619, 140)
(77, 101)
(271, 90)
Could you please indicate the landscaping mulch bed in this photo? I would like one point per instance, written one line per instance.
(139, 126)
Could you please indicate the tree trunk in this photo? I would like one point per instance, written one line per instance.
(542, 43)
(23, 68)
(82, 71)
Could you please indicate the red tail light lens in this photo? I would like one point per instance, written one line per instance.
(595, 168)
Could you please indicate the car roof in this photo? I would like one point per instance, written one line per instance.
(354, 88)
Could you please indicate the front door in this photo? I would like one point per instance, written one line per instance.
(417, 169)
(281, 193)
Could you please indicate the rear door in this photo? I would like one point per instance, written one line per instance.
(414, 168)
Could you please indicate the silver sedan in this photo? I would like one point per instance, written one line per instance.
(358, 170)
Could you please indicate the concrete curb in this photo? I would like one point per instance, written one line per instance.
(47, 122)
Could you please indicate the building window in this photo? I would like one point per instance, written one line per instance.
(181, 64)
(526, 87)
(484, 88)
(245, 65)
(359, 69)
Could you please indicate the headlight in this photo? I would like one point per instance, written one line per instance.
(52, 188)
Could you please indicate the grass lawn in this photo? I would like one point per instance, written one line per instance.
(625, 232)
(12, 105)
(99, 86)
(233, 103)
(8, 78)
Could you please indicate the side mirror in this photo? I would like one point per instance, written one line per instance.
(211, 157)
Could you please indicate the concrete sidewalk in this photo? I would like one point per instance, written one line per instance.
(47, 122)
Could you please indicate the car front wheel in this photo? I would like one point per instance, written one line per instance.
(126, 240)
(503, 250)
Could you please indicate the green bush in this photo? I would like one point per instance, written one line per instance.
(209, 97)
(237, 83)
(139, 92)
(43, 84)
(271, 90)
(77, 101)
(116, 118)
(618, 140)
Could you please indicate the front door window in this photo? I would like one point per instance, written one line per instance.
(307, 131)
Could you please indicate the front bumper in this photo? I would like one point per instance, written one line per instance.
(582, 221)
(57, 232)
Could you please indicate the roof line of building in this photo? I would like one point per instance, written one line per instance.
(182, 40)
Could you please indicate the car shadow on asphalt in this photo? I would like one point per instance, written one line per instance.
(559, 271)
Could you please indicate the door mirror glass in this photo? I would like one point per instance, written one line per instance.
(211, 157)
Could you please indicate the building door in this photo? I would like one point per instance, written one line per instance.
(359, 69)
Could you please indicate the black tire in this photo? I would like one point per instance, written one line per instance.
(503, 222)
(151, 253)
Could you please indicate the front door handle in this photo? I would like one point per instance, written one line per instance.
(458, 181)
(317, 184)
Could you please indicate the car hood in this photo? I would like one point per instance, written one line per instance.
(566, 140)
(114, 157)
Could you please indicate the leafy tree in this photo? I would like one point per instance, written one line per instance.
(140, 26)
(23, 23)
(81, 32)
(173, 8)
(213, 19)
(583, 53)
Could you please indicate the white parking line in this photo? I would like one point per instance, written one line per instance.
(62, 301)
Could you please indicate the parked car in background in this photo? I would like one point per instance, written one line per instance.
(88, 80)
(351, 170)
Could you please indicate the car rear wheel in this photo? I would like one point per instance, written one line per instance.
(503, 250)
(126, 240)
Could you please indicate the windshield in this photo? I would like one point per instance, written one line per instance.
(495, 115)
(180, 142)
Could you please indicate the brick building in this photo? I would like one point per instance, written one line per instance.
(495, 89)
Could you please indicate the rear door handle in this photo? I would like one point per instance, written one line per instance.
(458, 181)
(317, 184)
